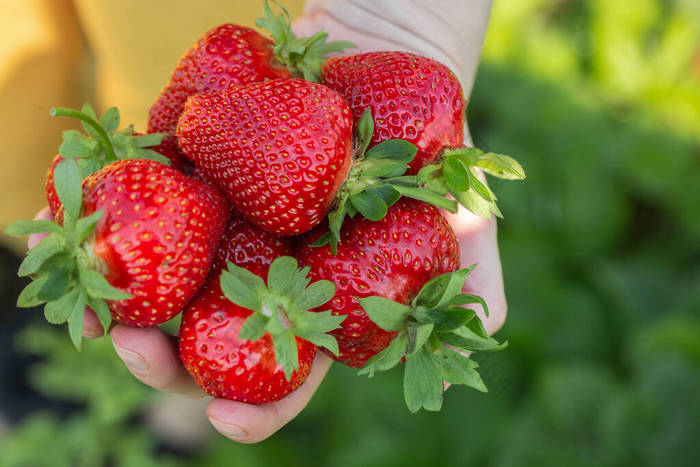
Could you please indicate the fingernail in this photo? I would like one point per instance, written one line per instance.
(228, 430)
(132, 359)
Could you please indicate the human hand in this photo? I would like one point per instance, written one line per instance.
(151, 355)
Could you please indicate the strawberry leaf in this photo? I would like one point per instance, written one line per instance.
(286, 353)
(101, 309)
(67, 180)
(387, 358)
(315, 295)
(423, 384)
(97, 286)
(75, 322)
(29, 297)
(370, 205)
(387, 314)
(394, 149)
(254, 327)
(57, 311)
(456, 174)
(418, 335)
(501, 166)
(42, 252)
(22, 228)
(236, 286)
(364, 131)
(109, 120)
(456, 369)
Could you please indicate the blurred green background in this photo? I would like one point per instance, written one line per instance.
(600, 101)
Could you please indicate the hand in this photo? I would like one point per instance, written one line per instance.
(151, 355)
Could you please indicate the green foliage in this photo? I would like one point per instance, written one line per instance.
(102, 431)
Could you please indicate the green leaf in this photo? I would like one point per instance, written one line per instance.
(29, 297)
(395, 149)
(386, 192)
(40, 253)
(423, 386)
(254, 327)
(418, 336)
(280, 274)
(475, 203)
(151, 139)
(320, 339)
(468, 156)
(22, 228)
(286, 355)
(101, 309)
(458, 369)
(387, 358)
(75, 322)
(364, 131)
(75, 145)
(480, 188)
(466, 339)
(387, 314)
(56, 283)
(382, 168)
(315, 295)
(370, 205)
(86, 225)
(451, 318)
(97, 286)
(319, 321)
(152, 155)
(467, 299)
(501, 166)
(456, 174)
(58, 311)
(110, 119)
(67, 181)
(428, 196)
(444, 288)
(241, 287)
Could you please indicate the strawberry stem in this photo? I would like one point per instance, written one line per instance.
(104, 139)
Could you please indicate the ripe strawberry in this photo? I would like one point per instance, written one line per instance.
(279, 150)
(231, 55)
(397, 284)
(392, 258)
(282, 152)
(141, 248)
(413, 98)
(251, 354)
(420, 100)
(103, 145)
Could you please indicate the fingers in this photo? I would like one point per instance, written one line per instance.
(478, 243)
(151, 356)
(43, 215)
(248, 423)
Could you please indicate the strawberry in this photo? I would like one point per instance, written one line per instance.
(282, 153)
(136, 244)
(231, 55)
(413, 98)
(397, 284)
(103, 145)
(238, 336)
(420, 100)
(391, 258)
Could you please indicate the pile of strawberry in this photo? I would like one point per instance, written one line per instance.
(261, 156)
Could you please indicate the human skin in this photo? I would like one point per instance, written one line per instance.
(452, 35)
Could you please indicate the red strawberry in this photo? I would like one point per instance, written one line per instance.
(398, 286)
(231, 55)
(391, 258)
(420, 100)
(103, 145)
(411, 97)
(280, 150)
(245, 367)
(137, 241)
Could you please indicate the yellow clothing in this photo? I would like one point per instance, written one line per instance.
(110, 53)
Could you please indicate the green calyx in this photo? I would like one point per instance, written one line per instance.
(302, 56)
(62, 266)
(281, 308)
(376, 181)
(434, 333)
(103, 143)
(456, 174)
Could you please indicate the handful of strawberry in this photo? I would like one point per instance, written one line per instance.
(340, 165)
